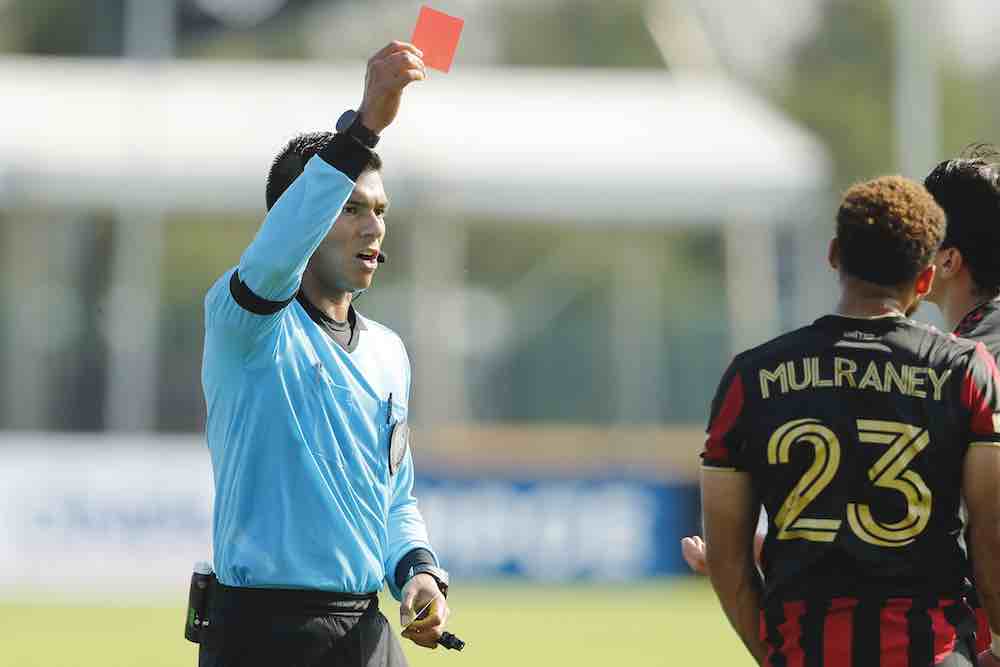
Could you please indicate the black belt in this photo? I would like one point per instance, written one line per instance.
(291, 601)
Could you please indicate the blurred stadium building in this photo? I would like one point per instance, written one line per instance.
(534, 218)
(595, 241)
(591, 213)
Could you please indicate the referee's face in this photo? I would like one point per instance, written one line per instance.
(347, 258)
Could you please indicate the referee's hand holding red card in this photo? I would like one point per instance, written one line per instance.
(389, 71)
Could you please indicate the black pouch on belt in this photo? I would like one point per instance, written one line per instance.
(203, 582)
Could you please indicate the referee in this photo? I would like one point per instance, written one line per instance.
(307, 405)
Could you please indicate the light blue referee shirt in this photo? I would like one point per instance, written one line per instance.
(298, 428)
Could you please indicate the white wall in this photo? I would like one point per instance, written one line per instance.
(102, 517)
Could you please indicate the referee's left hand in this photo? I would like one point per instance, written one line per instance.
(417, 593)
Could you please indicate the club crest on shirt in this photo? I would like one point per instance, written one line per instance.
(399, 442)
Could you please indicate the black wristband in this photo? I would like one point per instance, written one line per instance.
(421, 561)
(360, 131)
(350, 124)
(347, 155)
(411, 560)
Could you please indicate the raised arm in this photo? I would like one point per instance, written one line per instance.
(272, 266)
(270, 271)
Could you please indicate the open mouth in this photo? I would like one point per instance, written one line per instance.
(369, 257)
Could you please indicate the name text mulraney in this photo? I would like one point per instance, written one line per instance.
(884, 376)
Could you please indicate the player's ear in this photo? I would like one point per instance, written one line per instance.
(924, 281)
(833, 255)
(949, 262)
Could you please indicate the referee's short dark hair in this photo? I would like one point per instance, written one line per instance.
(291, 161)
(888, 230)
(968, 189)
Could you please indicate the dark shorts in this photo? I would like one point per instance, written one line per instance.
(861, 632)
(280, 628)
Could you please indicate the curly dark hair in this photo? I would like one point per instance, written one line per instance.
(291, 162)
(968, 189)
(888, 230)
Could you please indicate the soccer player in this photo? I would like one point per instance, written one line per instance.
(307, 404)
(967, 283)
(859, 434)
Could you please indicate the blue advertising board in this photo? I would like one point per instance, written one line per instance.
(83, 514)
(558, 529)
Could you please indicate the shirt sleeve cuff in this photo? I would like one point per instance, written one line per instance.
(715, 463)
(418, 556)
(347, 155)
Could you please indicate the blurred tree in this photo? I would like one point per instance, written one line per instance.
(94, 27)
(578, 33)
(271, 35)
(968, 110)
(841, 87)
(63, 27)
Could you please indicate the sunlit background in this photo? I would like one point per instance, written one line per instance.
(594, 210)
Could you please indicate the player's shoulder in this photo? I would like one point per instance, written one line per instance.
(912, 338)
(923, 344)
(983, 325)
(928, 340)
(928, 330)
(780, 346)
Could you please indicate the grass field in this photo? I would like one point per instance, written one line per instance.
(671, 622)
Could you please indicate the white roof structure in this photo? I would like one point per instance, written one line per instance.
(586, 146)
(571, 147)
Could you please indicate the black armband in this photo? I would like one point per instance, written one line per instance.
(347, 155)
(247, 300)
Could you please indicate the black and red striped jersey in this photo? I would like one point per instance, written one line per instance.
(872, 630)
(982, 324)
(854, 432)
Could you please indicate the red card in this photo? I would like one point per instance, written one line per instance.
(437, 35)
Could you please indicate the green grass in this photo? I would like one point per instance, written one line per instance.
(672, 622)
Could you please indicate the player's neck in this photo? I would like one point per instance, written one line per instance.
(957, 307)
(334, 304)
(869, 305)
(861, 298)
